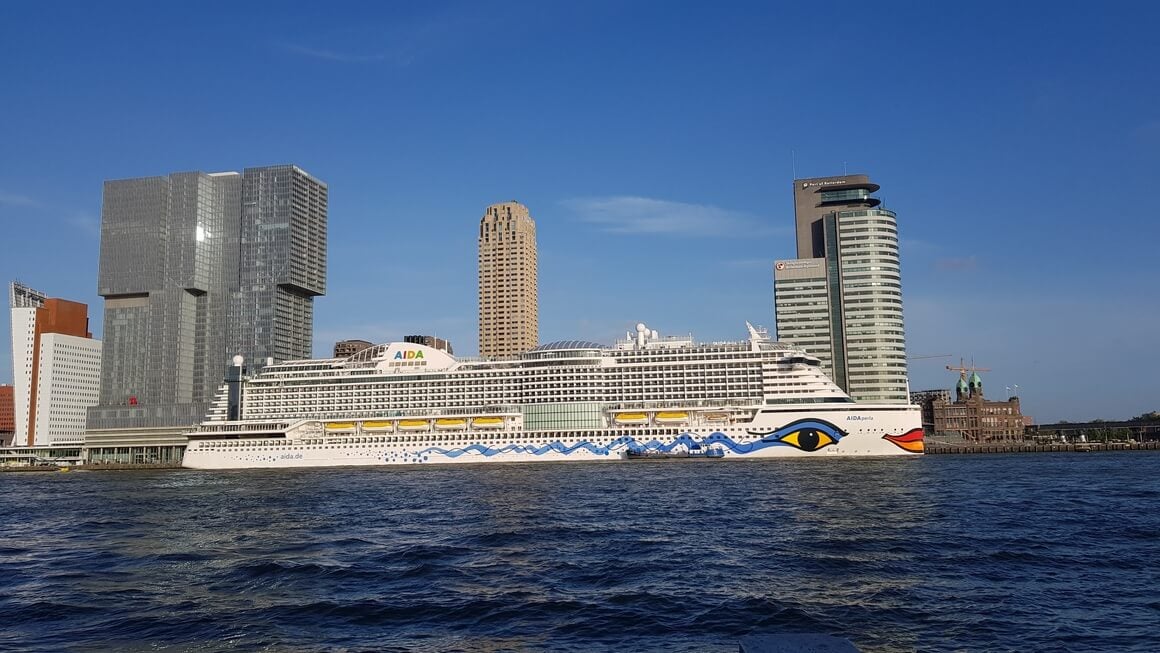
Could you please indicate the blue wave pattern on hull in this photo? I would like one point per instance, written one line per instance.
(775, 438)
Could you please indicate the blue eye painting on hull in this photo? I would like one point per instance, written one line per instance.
(806, 435)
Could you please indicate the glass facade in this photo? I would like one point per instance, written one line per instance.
(803, 314)
(194, 269)
(864, 351)
(164, 280)
(834, 281)
(564, 415)
(853, 194)
(144, 455)
(282, 263)
(871, 305)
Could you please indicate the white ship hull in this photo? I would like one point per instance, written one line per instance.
(817, 431)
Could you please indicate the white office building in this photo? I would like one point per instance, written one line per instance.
(56, 368)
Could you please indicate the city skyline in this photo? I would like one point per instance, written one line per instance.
(656, 147)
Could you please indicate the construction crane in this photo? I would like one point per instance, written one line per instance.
(918, 358)
(962, 369)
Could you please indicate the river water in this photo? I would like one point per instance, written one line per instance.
(940, 553)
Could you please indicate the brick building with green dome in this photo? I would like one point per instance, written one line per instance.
(971, 415)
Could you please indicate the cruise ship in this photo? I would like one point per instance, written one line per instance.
(645, 396)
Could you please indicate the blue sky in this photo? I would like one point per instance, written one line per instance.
(652, 141)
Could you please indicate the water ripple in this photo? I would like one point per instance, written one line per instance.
(1050, 552)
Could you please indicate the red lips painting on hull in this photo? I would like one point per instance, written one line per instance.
(910, 441)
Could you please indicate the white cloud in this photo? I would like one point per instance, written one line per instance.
(12, 199)
(331, 55)
(960, 263)
(82, 221)
(85, 222)
(644, 215)
(401, 41)
(916, 246)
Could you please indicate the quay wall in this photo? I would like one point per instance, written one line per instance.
(88, 467)
(934, 447)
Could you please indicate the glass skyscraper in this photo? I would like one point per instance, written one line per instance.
(282, 264)
(841, 299)
(194, 269)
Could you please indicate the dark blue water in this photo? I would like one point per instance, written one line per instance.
(943, 553)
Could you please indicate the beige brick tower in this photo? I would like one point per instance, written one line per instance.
(509, 314)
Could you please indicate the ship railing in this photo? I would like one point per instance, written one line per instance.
(430, 412)
(240, 426)
(692, 403)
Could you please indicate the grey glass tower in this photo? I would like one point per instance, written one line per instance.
(165, 274)
(841, 299)
(194, 269)
(282, 264)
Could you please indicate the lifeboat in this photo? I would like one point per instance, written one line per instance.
(673, 417)
(716, 417)
(631, 418)
(447, 423)
(340, 426)
(487, 422)
(377, 426)
(413, 425)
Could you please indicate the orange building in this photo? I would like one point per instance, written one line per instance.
(7, 415)
(57, 367)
